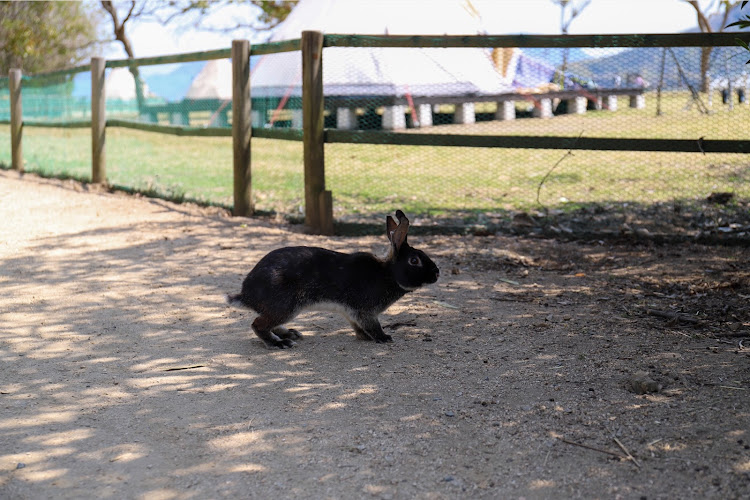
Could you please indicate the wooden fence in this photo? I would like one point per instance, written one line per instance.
(318, 200)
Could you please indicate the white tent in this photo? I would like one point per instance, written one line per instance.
(120, 84)
(384, 71)
(214, 81)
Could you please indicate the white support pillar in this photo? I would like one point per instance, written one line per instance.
(424, 115)
(465, 113)
(394, 117)
(256, 119)
(296, 118)
(346, 118)
(638, 101)
(577, 105)
(506, 110)
(611, 102)
(178, 118)
(544, 109)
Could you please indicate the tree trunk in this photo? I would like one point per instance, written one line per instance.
(121, 36)
(705, 27)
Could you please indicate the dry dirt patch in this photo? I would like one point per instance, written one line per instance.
(526, 371)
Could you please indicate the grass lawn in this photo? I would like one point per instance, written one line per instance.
(424, 179)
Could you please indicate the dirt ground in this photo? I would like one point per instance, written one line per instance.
(533, 369)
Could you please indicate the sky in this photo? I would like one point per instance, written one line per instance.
(497, 16)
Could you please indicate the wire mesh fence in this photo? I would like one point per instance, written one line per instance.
(502, 135)
(618, 93)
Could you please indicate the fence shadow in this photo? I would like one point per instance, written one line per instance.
(721, 218)
(125, 373)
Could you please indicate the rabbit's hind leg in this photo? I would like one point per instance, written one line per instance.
(265, 328)
(359, 332)
(286, 333)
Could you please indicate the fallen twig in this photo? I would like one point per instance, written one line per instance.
(622, 447)
(183, 368)
(510, 282)
(445, 304)
(671, 315)
(398, 324)
(593, 448)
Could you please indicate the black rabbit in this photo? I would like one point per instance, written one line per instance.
(360, 286)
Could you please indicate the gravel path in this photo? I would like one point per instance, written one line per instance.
(125, 375)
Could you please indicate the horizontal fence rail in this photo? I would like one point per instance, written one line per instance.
(539, 41)
(538, 142)
(288, 106)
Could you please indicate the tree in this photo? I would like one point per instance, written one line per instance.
(721, 7)
(270, 14)
(42, 36)
(566, 17)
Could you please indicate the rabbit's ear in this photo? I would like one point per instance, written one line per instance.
(390, 227)
(397, 233)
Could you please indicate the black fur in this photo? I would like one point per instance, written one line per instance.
(361, 286)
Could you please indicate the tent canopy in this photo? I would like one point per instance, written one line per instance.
(386, 71)
(120, 84)
(214, 81)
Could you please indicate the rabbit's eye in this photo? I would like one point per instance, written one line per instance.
(414, 261)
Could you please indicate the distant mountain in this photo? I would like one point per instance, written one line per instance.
(726, 62)
(172, 86)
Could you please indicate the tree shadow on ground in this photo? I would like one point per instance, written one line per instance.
(125, 374)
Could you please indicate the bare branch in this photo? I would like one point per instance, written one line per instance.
(130, 12)
(703, 23)
(544, 179)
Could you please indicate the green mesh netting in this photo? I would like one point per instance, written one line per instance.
(523, 93)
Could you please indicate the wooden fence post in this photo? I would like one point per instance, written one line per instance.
(16, 120)
(326, 207)
(313, 134)
(98, 121)
(241, 128)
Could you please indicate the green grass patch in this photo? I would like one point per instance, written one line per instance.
(367, 179)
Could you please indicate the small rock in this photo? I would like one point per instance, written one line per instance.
(480, 230)
(450, 414)
(20, 465)
(642, 383)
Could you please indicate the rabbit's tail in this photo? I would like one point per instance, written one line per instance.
(235, 300)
